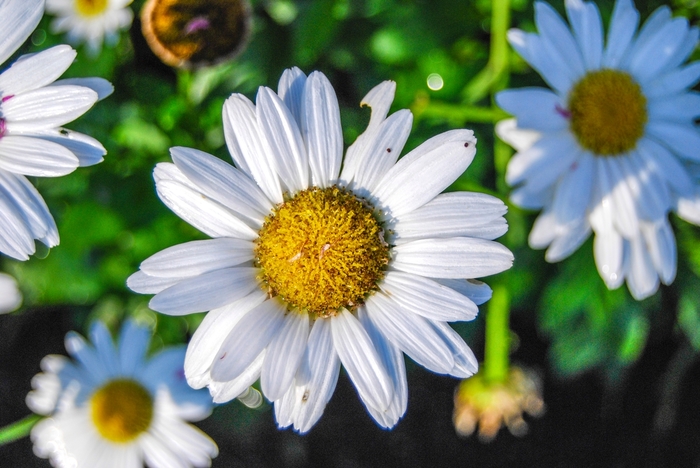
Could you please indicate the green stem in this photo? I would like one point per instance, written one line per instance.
(18, 429)
(496, 354)
(459, 113)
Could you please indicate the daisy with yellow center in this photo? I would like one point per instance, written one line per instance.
(90, 21)
(612, 148)
(115, 407)
(319, 259)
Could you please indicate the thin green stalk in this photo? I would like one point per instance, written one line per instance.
(460, 113)
(496, 354)
(18, 429)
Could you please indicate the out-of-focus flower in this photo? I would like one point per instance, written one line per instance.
(311, 265)
(33, 106)
(115, 407)
(192, 33)
(493, 405)
(90, 21)
(613, 147)
(10, 296)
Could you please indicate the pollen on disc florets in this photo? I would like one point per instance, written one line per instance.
(121, 410)
(90, 8)
(322, 250)
(608, 112)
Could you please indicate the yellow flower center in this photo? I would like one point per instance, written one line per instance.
(608, 112)
(121, 410)
(90, 7)
(322, 250)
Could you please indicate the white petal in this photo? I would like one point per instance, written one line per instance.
(623, 25)
(142, 283)
(223, 183)
(682, 139)
(681, 108)
(395, 365)
(245, 143)
(656, 21)
(88, 150)
(608, 250)
(19, 18)
(642, 279)
(379, 99)
(673, 82)
(573, 191)
(31, 206)
(588, 29)
(568, 240)
(558, 41)
(211, 333)
(206, 291)
(47, 107)
(456, 257)
(247, 340)
(133, 345)
(361, 360)
(662, 248)
(102, 87)
(37, 70)
(538, 53)
(320, 126)
(291, 90)
(652, 196)
(16, 239)
(427, 298)
(466, 364)
(652, 56)
(476, 290)
(284, 142)
(315, 380)
(202, 212)
(410, 332)
(544, 162)
(614, 187)
(544, 230)
(101, 339)
(454, 214)
(536, 108)
(197, 257)
(520, 139)
(284, 355)
(667, 165)
(223, 392)
(381, 152)
(445, 157)
(35, 157)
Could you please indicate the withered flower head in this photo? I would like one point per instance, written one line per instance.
(195, 33)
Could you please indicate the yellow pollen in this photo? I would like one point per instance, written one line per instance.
(322, 250)
(90, 7)
(121, 410)
(608, 112)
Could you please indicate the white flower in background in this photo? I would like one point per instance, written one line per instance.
(115, 407)
(319, 260)
(90, 21)
(33, 106)
(613, 146)
(10, 296)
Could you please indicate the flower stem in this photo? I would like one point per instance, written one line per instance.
(18, 429)
(496, 360)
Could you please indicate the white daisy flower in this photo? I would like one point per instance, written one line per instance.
(613, 147)
(115, 407)
(33, 106)
(90, 21)
(319, 260)
(10, 296)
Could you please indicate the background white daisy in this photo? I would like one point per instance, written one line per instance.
(33, 107)
(293, 201)
(117, 407)
(90, 21)
(613, 146)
